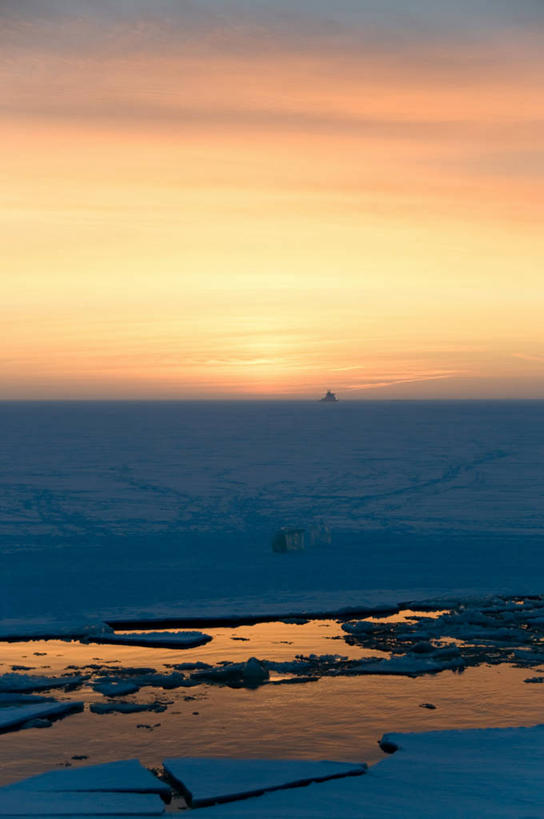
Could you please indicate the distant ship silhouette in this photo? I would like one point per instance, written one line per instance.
(329, 396)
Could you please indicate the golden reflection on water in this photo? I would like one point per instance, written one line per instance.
(408, 615)
(335, 717)
(271, 641)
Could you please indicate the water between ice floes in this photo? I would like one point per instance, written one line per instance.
(336, 717)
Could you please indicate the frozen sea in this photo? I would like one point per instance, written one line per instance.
(149, 508)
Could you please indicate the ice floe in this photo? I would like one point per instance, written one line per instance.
(15, 698)
(409, 666)
(207, 780)
(14, 682)
(12, 717)
(116, 688)
(123, 788)
(495, 772)
(126, 707)
(250, 674)
(126, 775)
(153, 639)
(117, 682)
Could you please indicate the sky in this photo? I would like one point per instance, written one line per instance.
(266, 199)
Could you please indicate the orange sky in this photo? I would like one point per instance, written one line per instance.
(272, 201)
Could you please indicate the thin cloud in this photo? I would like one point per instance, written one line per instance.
(526, 357)
(375, 384)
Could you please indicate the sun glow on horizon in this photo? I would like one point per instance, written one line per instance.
(270, 205)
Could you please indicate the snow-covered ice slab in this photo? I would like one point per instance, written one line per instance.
(496, 772)
(46, 629)
(116, 688)
(39, 803)
(155, 639)
(13, 682)
(14, 698)
(114, 707)
(407, 666)
(15, 716)
(206, 780)
(123, 776)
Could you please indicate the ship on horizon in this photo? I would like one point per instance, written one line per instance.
(329, 396)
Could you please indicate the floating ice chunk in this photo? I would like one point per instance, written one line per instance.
(446, 653)
(254, 672)
(407, 665)
(423, 647)
(116, 688)
(126, 707)
(362, 627)
(250, 674)
(119, 685)
(13, 717)
(529, 657)
(52, 630)
(123, 776)
(14, 698)
(207, 780)
(154, 639)
(29, 682)
(173, 680)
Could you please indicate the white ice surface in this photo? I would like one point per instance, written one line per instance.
(208, 779)
(140, 510)
(41, 803)
(127, 775)
(454, 774)
(13, 716)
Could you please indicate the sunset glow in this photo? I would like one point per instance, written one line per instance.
(265, 200)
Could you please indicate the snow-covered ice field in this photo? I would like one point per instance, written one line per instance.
(112, 509)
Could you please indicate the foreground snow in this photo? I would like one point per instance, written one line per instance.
(124, 776)
(209, 780)
(458, 774)
(123, 788)
(36, 803)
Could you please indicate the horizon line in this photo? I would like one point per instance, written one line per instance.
(248, 400)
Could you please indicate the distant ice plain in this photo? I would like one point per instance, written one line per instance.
(125, 508)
